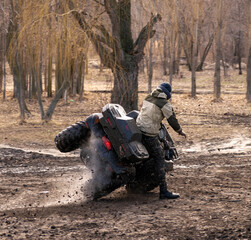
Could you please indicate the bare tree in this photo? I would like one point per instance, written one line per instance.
(194, 47)
(3, 32)
(1, 62)
(172, 55)
(117, 50)
(248, 96)
(150, 66)
(217, 77)
(16, 60)
(165, 60)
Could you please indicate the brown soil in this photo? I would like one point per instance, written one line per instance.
(40, 196)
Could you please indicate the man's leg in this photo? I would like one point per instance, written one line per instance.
(155, 151)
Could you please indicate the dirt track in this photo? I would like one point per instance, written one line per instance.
(40, 196)
(41, 199)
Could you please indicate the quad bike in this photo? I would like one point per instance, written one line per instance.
(112, 148)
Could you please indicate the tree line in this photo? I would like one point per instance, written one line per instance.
(43, 36)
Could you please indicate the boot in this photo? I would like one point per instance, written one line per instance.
(165, 194)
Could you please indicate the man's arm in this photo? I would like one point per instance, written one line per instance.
(173, 121)
(171, 118)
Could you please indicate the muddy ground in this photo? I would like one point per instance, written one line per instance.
(40, 191)
(41, 199)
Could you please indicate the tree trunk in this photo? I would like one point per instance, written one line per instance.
(55, 100)
(29, 85)
(81, 78)
(40, 71)
(178, 54)
(4, 78)
(194, 49)
(193, 72)
(17, 76)
(59, 64)
(3, 57)
(249, 77)
(224, 66)
(248, 96)
(172, 58)
(125, 91)
(79, 71)
(165, 61)
(239, 62)
(49, 87)
(75, 78)
(150, 67)
(39, 92)
(1, 71)
(217, 77)
(239, 53)
(45, 77)
(71, 75)
(33, 85)
(65, 96)
(21, 98)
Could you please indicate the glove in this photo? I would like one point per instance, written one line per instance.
(180, 132)
(183, 134)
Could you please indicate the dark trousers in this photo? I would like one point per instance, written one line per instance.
(154, 149)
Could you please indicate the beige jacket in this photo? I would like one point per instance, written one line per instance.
(155, 108)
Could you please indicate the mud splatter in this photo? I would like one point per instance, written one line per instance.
(236, 145)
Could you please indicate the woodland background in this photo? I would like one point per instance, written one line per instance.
(62, 60)
(48, 46)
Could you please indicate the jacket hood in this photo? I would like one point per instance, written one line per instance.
(158, 93)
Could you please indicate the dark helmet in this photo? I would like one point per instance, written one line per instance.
(166, 88)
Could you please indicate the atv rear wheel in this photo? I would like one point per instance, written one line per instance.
(72, 137)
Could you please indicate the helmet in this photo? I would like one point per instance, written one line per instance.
(166, 88)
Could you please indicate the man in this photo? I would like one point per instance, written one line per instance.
(155, 108)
